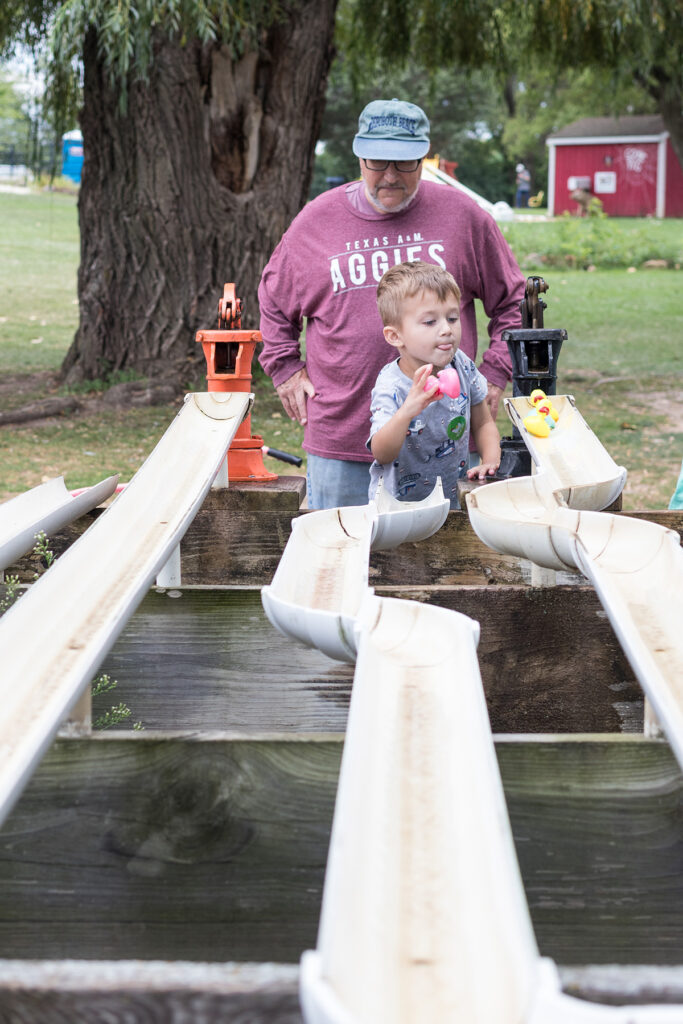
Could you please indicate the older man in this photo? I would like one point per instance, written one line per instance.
(326, 268)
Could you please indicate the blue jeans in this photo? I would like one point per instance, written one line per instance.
(335, 482)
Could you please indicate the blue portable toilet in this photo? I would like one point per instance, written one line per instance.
(72, 155)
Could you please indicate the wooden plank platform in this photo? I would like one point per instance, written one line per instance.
(213, 847)
(195, 846)
(548, 657)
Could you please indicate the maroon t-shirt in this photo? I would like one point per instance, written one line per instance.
(326, 269)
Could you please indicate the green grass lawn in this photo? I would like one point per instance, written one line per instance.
(622, 359)
(39, 245)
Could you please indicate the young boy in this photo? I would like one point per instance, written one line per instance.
(417, 434)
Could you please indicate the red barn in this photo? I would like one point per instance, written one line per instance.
(628, 163)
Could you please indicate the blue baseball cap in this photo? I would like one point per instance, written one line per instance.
(392, 130)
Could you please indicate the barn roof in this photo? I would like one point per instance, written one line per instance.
(599, 127)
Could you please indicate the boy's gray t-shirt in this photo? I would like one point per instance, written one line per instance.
(437, 442)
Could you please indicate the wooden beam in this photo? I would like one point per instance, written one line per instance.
(233, 514)
(284, 494)
(456, 557)
(618, 985)
(233, 543)
(213, 847)
(156, 992)
(53, 992)
(548, 657)
(236, 547)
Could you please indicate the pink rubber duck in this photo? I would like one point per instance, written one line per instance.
(447, 382)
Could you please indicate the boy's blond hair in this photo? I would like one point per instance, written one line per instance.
(408, 279)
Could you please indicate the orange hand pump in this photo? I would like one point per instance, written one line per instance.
(229, 352)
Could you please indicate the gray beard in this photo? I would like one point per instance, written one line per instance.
(403, 205)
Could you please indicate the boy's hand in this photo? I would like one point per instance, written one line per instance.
(417, 398)
(483, 470)
(386, 443)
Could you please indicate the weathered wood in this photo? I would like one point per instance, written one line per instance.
(161, 992)
(243, 504)
(605, 806)
(214, 848)
(239, 548)
(236, 546)
(136, 992)
(456, 556)
(169, 849)
(549, 659)
(209, 658)
(239, 534)
(453, 556)
(284, 494)
(31, 565)
(616, 985)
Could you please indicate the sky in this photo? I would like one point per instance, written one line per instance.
(22, 70)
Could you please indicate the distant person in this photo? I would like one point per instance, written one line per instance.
(325, 271)
(523, 187)
(418, 431)
(583, 197)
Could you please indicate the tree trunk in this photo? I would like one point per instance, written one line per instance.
(509, 94)
(670, 104)
(191, 187)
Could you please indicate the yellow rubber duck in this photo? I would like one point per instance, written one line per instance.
(544, 417)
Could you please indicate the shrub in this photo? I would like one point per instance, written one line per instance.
(598, 241)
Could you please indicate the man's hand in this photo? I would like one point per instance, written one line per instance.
(294, 394)
(493, 398)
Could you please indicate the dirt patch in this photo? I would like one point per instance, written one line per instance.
(670, 406)
(18, 385)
